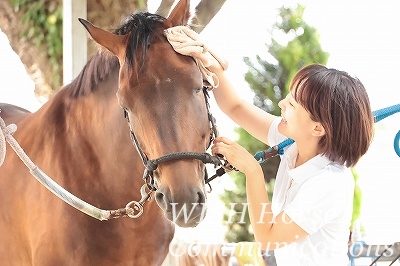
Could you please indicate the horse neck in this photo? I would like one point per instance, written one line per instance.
(91, 123)
(98, 116)
(88, 136)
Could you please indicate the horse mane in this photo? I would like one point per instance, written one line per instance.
(140, 27)
(96, 70)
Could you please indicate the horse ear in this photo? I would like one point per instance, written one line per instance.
(180, 14)
(112, 42)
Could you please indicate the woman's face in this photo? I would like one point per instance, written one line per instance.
(296, 121)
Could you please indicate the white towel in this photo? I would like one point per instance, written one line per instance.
(187, 42)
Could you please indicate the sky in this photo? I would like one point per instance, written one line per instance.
(362, 38)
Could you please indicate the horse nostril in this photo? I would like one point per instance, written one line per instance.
(201, 197)
(162, 201)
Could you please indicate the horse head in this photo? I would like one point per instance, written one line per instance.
(162, 95)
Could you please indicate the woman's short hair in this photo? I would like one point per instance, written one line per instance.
(341, 104)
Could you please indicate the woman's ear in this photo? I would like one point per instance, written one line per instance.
(318, 130)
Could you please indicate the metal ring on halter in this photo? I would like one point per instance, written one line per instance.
(138, 205)
(137, 208)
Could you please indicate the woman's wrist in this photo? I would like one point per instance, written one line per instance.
(253, 171)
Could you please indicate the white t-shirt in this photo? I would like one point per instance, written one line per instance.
(319, 200)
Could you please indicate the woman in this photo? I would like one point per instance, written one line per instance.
(327, 113)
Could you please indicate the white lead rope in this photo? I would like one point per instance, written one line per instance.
(102, 215)
(6, 136)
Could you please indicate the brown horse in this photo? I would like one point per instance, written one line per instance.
(81, 139)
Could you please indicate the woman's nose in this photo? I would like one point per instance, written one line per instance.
(281, 104)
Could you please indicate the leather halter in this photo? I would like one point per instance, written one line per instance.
(152, 164)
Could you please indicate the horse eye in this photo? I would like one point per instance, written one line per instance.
(198, 90)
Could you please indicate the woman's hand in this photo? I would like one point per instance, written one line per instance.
(236, 155)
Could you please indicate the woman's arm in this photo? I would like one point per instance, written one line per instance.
(269, 232)
(250, 117)
(254, 120)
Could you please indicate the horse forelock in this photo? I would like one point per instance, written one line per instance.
(140, 28)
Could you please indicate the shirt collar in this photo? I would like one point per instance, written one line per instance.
(306, 170)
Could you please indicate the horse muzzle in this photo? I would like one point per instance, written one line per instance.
(186, 210)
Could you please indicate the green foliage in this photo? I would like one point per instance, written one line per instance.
(43, 26)
(268, 77)
(357, 199)
(237, 226)
(236, 216)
